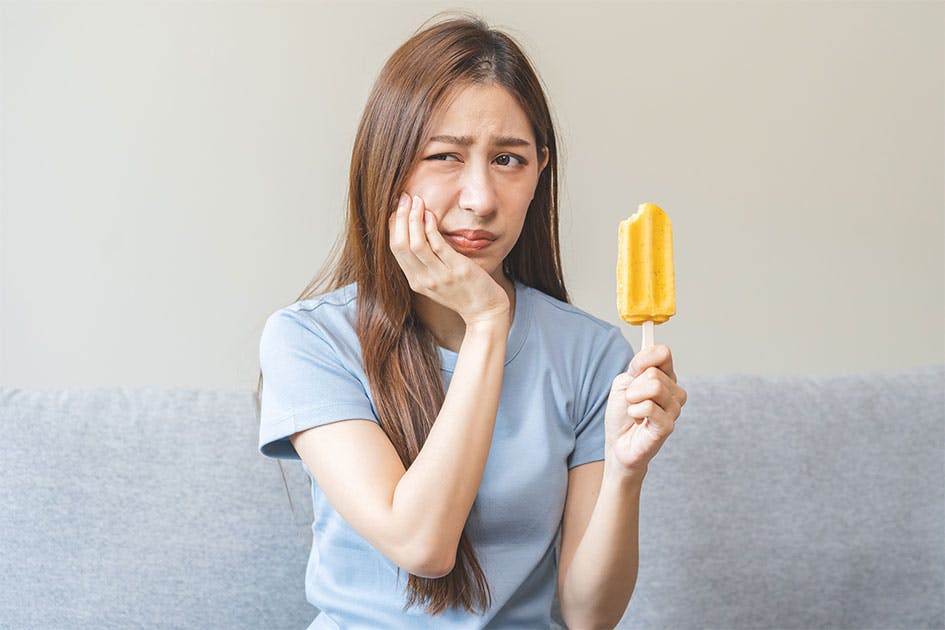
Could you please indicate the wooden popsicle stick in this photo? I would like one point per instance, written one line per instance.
(647, 335)
(647, 342)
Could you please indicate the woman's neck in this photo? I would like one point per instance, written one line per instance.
(446, 325)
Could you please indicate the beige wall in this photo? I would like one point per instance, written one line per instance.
(172, 173)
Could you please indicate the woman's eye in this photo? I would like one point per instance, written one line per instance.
(504, 156)
(521, 162)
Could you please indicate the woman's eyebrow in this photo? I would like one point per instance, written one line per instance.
(465, 141)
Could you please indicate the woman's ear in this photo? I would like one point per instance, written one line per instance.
(544, 161)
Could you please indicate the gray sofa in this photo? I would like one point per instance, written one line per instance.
(779, 502)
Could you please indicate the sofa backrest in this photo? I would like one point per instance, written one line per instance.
(779, 501)
(146, 508)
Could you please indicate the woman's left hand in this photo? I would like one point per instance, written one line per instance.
(648, 389)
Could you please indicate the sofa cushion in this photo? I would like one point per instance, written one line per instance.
(779, 501)
(146, 508)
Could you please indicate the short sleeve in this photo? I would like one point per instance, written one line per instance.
(609, 360)
(305, 384)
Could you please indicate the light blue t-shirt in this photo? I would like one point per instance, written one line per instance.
(559, 365)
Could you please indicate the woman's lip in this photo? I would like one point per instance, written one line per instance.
(473, 235)
(468, 244)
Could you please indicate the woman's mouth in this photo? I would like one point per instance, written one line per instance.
(467, 244)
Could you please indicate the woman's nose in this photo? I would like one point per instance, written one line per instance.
(478, 191)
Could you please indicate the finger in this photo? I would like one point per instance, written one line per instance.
(658, 417)
(400, 242)
(656, 387)
(451, 258)
(651, 385)
(621, 382)
(444, 251)
(418, 236)
(658, 356)
(652, 356)
(395, 238)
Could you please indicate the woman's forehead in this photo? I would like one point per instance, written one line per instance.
(480, 114)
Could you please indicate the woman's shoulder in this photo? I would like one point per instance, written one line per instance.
(330, 300)
(567, 318)
(327, 314)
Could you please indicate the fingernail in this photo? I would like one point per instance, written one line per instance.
(404, 199)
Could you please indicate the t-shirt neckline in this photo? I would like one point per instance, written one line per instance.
(521, 320)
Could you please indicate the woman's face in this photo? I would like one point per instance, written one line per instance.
(478, 171)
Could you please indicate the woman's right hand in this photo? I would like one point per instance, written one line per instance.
(436, 270)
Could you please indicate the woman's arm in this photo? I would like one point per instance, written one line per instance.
(436, 493)
(596, 580)
(598, 583)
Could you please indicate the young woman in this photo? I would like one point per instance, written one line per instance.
(452, 409)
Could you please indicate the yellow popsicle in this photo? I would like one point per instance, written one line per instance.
(646, 283)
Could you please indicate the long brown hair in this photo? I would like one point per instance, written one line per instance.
(400, 356)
